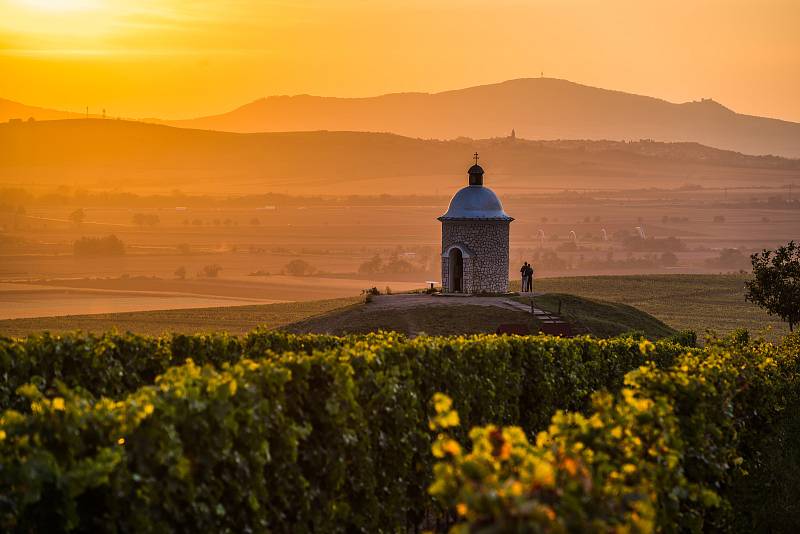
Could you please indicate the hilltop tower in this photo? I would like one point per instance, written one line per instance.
(475, 241)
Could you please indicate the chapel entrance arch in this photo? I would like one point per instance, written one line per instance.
(456, 270)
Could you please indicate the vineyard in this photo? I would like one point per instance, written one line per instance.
(289, 433)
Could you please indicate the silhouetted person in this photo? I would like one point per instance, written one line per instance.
(524, 272)
(529, 278)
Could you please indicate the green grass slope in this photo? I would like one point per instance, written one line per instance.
(683, 301)
(431, 320)
(601, 318)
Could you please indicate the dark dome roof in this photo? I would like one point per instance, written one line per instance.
(475, 169)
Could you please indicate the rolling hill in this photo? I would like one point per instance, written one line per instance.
(11, 111)
(136, 156)
(538, 108)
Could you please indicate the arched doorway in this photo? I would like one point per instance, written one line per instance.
(456, 270)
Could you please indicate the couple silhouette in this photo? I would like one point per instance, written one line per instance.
(527, 277)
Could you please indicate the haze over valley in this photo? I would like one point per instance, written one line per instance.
(269, 203)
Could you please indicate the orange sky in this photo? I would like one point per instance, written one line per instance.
(179, 58)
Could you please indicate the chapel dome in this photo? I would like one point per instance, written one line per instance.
(475, 202)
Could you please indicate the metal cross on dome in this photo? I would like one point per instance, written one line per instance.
(476, 158)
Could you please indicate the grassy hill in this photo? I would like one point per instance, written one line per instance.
(431, 320)
(134, 156)
(683, 301)
(347, 316)
(601, 305)
(601, 318)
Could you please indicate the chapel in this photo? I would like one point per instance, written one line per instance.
(475, 232)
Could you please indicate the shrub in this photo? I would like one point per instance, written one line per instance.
(278, 432)
(299, 268)
(211, 271)
(668, 259)
(662, 453)
(687, 338)
(114, 365)
(370, 293)
(729, 258)
(77, 216)
(393, 265)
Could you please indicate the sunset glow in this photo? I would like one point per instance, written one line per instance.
(59, 5)
(106, 54)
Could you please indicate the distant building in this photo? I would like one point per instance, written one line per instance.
(475, 233)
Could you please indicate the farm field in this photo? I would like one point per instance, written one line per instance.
(61, 297)
(232, 319)
(338, 240)
(697, 302)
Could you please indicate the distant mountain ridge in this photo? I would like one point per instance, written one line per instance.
(137, 156)
(14, 111)
(537, 108)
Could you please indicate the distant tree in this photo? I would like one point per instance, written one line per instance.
(299, 268)
(729, 258)
(372, 266)
(180, 272)
(99, 246)
(669, 259)
(212, 271)
(776, 282)
(396, 265)
(77, 216)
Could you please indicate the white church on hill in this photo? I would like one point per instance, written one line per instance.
(475, 233)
